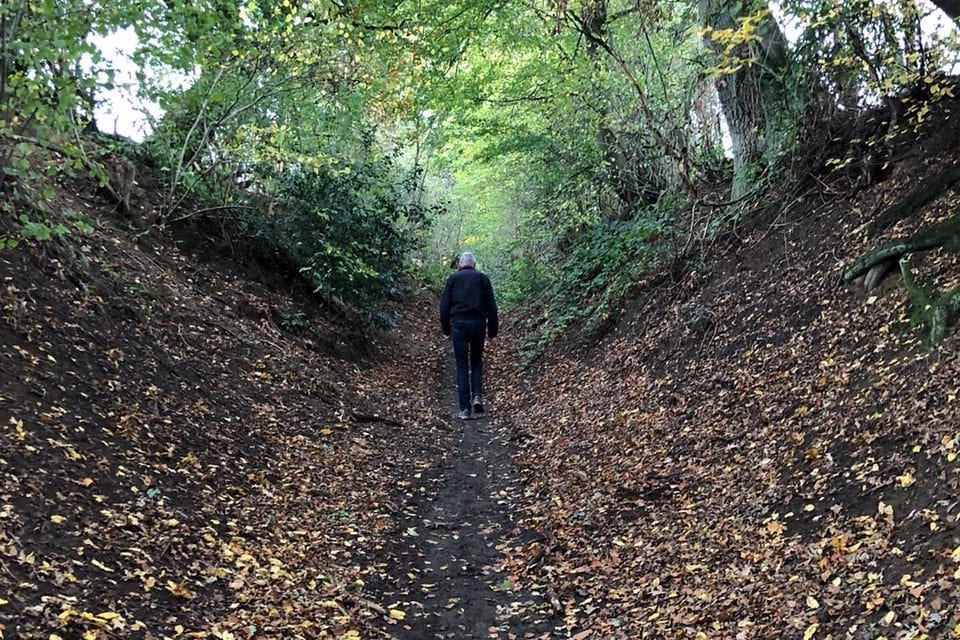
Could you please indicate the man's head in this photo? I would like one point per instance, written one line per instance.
(467, 260)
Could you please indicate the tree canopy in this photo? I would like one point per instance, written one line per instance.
(362, 140)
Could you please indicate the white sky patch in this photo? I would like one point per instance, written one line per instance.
(937, 26)
(122, 109)
(934, 23)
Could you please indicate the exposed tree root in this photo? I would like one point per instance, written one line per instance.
(940, 314)
(928, 191)
(877, 273)
(944, 234)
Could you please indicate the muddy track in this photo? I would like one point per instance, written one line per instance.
(441, 570)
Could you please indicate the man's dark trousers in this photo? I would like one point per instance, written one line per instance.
(467, 336)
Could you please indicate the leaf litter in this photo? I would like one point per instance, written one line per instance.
(780, 462)
(755, 451)
(173, 463)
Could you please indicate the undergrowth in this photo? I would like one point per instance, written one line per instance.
(596, 272)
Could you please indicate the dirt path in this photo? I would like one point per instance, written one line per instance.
(442, 569)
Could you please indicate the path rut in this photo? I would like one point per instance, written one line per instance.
(442, 568)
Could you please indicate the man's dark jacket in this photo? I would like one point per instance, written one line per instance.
(468, 295)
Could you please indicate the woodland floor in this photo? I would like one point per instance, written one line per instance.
(444, 566)
(189, 449)
(194, 449)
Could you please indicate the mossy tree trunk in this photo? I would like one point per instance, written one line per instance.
(941, 313)
(752, 95)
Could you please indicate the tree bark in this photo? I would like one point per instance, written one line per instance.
(944, 234)
(753, 93)
(926, 192)
(940, 314)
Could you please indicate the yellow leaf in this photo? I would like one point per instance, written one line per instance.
(396, 614)
(108, 615)
(178, 590)
(775, 527)
(86, 482)
(906, 479)
(326, 431)
(812, 629)
(57, 519)
(100, 565)
(3, 602)
(351, 635)
(67, 613)
(812, 602)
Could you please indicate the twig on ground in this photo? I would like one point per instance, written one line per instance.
(372, 417)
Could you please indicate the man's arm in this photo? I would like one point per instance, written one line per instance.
(446, 300)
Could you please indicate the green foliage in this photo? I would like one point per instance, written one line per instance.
(32, 229)
(866, 50)
(365, 141)
(559, 151)
(50, 72)
(344, 229)
(293, 321)
(591, 277)
(867, 55)
(293, 121)
(51, 227)
(937, 314)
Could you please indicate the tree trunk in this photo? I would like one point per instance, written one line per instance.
(939, 314)
(753, 93)
(9, 27)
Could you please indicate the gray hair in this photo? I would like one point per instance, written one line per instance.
(467, 260)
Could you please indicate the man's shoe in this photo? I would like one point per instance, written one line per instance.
(464, 414)
(477, 405)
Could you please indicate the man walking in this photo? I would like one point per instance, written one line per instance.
(467, 312)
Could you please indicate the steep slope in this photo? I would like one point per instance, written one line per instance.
(758, 450)
(186, 452)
